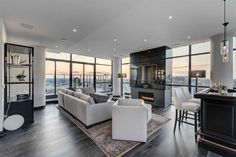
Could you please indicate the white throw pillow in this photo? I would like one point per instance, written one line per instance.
(130, 102)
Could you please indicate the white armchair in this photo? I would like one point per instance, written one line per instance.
(129, 119)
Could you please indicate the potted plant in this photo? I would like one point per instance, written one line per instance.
(21, 77)
(77, 82)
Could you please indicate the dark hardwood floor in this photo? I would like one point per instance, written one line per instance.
(53, 135)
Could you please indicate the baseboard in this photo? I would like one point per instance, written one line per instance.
(39, 107)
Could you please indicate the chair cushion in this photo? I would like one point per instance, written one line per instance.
(99, 98)
(88, 90)
(198, 101)
(190, 106)
(130, 102)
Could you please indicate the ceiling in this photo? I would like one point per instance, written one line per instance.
(99, 22)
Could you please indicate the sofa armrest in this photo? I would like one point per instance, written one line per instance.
(99, 112)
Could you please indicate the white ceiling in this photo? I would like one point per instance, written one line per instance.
(100, 21)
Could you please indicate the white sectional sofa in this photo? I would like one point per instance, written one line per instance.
(83, 107)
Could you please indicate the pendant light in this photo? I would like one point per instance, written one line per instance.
(224, 46)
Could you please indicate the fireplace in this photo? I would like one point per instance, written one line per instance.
(146, 96)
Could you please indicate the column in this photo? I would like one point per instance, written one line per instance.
(116, 80)
(220, 71)
(3, 38)
(39, 76)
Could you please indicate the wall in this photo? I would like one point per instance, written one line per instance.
(39, 76)
(3, 39)
(220, 71)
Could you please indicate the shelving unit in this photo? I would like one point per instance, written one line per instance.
(19, 82)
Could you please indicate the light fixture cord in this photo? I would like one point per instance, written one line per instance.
(224, 23)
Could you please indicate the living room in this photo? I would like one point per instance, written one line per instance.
(118, 78)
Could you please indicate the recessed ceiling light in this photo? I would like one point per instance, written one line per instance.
(189, 37)
(115, 40)
(74, 30)
(145, 40)
(170, 17)
(140, 48)
(56, 45)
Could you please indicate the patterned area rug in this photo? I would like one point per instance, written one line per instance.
(101, 134)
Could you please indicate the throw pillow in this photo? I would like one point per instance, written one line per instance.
(99, 98)
(88, 90)
(87, 98)
(70, 92)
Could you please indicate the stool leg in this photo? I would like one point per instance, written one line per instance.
(176, 117)
(183, 115)
(186, 115)
(180, 117)
(195, 126)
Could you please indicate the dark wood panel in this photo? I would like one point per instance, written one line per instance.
(219, 119)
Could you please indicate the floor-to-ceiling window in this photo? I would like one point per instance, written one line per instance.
(126, 70)
(50, 77)
(63, 69)
(187, 58)
(234, 61)
(57, 72)
(103, 75)
(83, 68)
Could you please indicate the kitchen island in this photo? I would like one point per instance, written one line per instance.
(218, 122)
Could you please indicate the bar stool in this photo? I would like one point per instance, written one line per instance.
(181, 104)
(189, 98)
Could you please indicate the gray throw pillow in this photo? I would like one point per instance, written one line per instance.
(88, 90)
(99, 98)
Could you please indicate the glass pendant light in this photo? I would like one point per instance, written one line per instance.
(224, 46)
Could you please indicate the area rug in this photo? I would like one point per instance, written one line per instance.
(101, 134)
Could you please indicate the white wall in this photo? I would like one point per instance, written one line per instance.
(39, 76)
(3, 39)
(116, 80)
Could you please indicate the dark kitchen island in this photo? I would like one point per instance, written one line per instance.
(218, 122)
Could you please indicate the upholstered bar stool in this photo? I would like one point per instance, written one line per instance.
(181, 105)
(189, 98)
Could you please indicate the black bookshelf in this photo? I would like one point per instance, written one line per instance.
(19, 81)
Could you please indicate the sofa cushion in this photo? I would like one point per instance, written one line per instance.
(70, 92)
(85, 97)
(88, 90)
(130, 102)
(99, 98)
